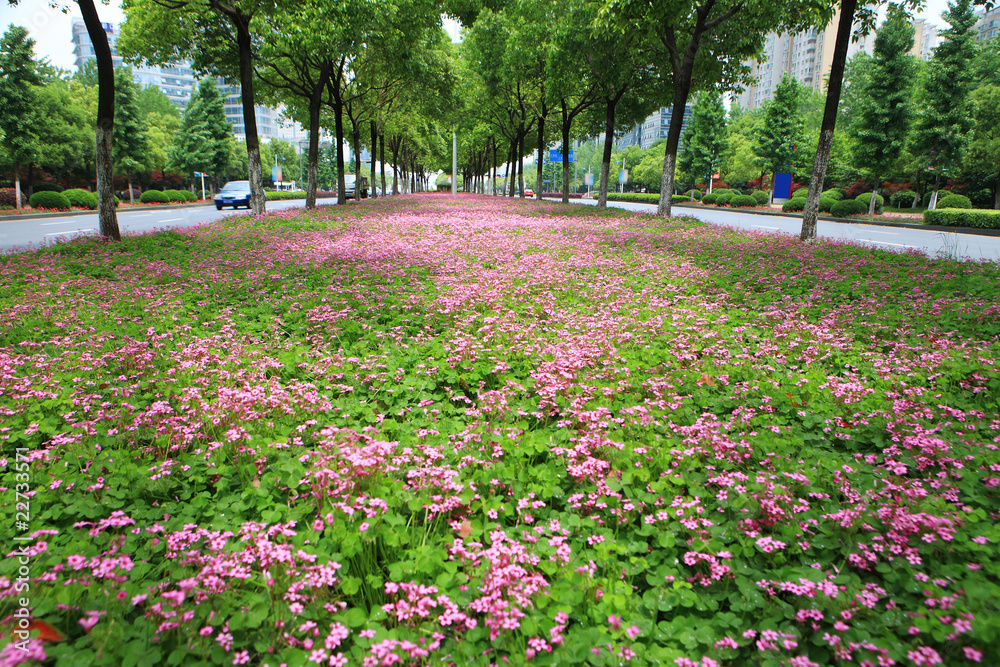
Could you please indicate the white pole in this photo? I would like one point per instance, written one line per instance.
(454, 161)
(202, 184)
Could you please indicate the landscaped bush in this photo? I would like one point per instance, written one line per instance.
(942, 193)
(79, 198)
(694, 193)
(794, 204)
(154, 197)
(281, 195)
(175, 196)
(826, 203)
(136, 194)
(724, 198)
(45, 186)
(866, 199)
(800, 193)
(981, 198)
(832, 193)
(902, 199)
(743, 201)
(680, 199)
(710, 198)
(48, 199)
(960, 217)
(761, 197)
(848, 207)
(954, 201)
(724, 191)
(8, 198)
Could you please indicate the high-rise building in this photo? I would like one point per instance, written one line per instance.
(656, 126)
(808, 56)
(988, 24)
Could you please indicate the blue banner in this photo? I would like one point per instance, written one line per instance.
(276, 174)
(782, 186)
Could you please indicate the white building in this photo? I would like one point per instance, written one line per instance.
(988, 24)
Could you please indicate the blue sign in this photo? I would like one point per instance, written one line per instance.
(782, 186)
(555, 155)
(276, 174)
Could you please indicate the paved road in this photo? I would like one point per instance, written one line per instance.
(36, 231)
(933, 243)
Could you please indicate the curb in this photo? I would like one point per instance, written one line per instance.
(68, 214)
(976, 231)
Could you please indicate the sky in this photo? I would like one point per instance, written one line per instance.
(50, 28)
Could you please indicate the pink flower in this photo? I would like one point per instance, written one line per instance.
(363, 527)
(562, 617)
(615, 622)
(89, 621)
(633, 631)
(972, 654)
(241, 657)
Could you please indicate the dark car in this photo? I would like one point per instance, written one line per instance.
(233, 193)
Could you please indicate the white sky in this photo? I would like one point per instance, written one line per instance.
(51, 31)
(50, 28)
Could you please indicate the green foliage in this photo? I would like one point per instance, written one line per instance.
(694, 194)
(958, 217)
(761, 197)
(724, 198)
(44, 186)
(833, 194)
(203, 143)
(710, 198)
(154, 197)
(954, 201)
(866, 198)
(19, 116)
(794, 204)
(81, 198)
(743, 201)
(642, 197)
(801, 192)
(848, 207)
(47, 199)
(826, 203)
(130, 142)
(704, 139)
(175, 195)
(780, 130)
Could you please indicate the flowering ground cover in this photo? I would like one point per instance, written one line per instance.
(464, 430)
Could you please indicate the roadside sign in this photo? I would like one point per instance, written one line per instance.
(555, 155)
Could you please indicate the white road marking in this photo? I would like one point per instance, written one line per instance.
(71, 231)
(899, 245)
(171, 220)
(764, 227)
(64, 222)
(888, 233)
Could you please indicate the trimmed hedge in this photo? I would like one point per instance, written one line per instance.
(848, 207)
(55, 201)
(154, 197)
(955, 201)
(45, 186)
(81, 198)
(710, 198)
(724, 191)
(273, 195)
(833, 193)
(694, 194)
(982, 218)
(743, 201)
(866, 198)
(826, 203)
(794, 204)
(761, 197)
(800, 193)
(902, 199)
(724, 198)
(175, 196)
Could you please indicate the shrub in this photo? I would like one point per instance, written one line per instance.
(826, 203)
(189, 196)
(694, 194)
(55, 201)
(724, 198)
(848, 207)
(832, 193)
(45, 186)
(954, 201)
(800, 193)
(117, 201)
(942, 193)
(981, 198)
(902, 199)
(680, 199)
(81, 198)
(761, 197)
(154, 197)
(794, 204)
(709, 198)
(723, 191)
(866, 199)
(8, 198)
(174, 196)
(743, 201)
(982, 218)
(136, 194)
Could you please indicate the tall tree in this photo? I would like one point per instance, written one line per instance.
(705, 139)
(780, 129)
(944, 115)
(984, 148)
(884, 115)
(218, 36)
(131, 143)
(704, 43)
(203, 143)
(18, 120)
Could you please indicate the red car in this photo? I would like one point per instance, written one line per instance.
(529, 193)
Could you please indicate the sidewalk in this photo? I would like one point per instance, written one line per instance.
(127, 209)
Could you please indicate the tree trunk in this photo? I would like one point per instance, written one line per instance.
(312, 170)
(682, 88)
(541, 157)
(17, 186)
(107, 218)
(356, 149)
(934, 195)
(31, 181)
(371, 170)
(258, 200)
(338, 124)
(511, 182)
(566, 121)
(996, 194)
(825, 143)
(609, 136)
(131, 197)
(394, 147)
(381, 158)
(871, 204)
(520, 163)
